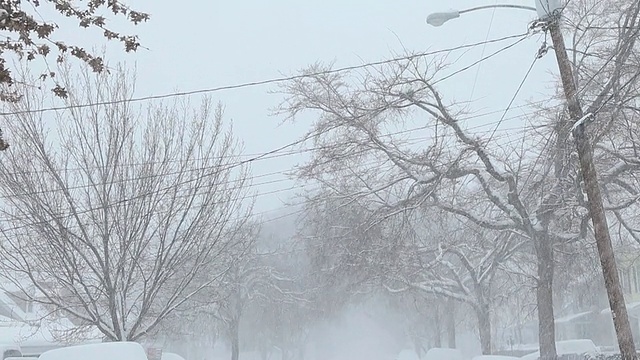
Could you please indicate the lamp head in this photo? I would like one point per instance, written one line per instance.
(439, 18)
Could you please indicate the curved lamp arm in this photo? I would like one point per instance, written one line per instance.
(439, 18)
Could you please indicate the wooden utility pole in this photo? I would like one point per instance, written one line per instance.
(592, 187)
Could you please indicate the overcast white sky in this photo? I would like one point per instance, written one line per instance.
(204, 44)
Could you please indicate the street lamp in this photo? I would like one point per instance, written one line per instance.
(439, 18)
(549, 12)
(545, 9)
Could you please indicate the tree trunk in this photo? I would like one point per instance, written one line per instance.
(519, 333)
(451, 323)
(286, 355)
(438, 329)
(418, 347)
(235, 341)
(544, 299)
(484, 328)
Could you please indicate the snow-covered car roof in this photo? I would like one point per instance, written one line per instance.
(102, 351)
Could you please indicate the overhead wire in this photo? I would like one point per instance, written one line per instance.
(287, 189)
(278, 150)
(275, 151)
(241, 181)
(515, 95)
(493, 132)
(299, 152)
(414, 140)
(129, 199)
(226, 167)
(284, 79)
(102, 207)
(484, 47)
(263, 82)
(484, 58)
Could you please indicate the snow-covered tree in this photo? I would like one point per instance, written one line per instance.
(113, 212)
(528, 187)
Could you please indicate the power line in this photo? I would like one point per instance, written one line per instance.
(261, 82)
(411, 141)
(263, 155)
(415, 141)
(277, 153)
(282, 79)
(118, 202)
(260, 157)
(513, 98)
(484, 47)
(219, 203)
(280, 154)
(503, 49)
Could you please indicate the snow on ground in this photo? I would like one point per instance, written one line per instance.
(495, 357)
(569, 318)
(407, 355)
(171, 356)
(36, 339)
(22, 333)
(582, 346)
(443, 354)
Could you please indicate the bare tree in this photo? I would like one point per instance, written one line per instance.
(111, 212)
(215, 310)
(426, 319)
(260, 283)
(604, 52)
(530, 187)
(459, 264)
(282, 319)
(486, 184)
(428, 252)
(189, 332)
(245, 280)
(284, 305)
